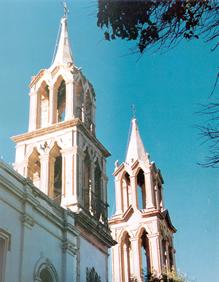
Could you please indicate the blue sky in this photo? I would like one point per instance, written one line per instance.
(166, 90)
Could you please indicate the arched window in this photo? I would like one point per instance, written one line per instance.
(44, 271)
(126, 192)
(98, 190)
(141, 190)
(126, 255)
(33, 168)
(145, 255)
(45, 275)
(61, 102)
(87, 181)
(55, 189)
(43, 105)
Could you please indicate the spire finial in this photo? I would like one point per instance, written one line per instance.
(133, 111)
(66, 10)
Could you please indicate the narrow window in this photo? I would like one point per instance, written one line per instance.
(61, 101)
(141, 190)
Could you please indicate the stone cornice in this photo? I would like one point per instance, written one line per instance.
(58, 127)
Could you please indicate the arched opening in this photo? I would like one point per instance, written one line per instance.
(164, 252)
(141, 190)
(98, 190)
(87, 181)
(44, 271)
(88, 111)
(61, 101)
(126, 192)
(145, 255)
(126, 255)
(33, 168)
(43, 93)
(55, 189)
(170, 251)
(79, 100)
(45, 275)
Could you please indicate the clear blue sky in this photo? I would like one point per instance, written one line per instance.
(166, 90)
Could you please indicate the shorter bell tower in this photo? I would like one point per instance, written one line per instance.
(141, 225)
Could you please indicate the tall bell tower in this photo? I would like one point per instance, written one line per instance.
(60, 152)
(141, 225)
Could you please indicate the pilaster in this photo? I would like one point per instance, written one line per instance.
(149, 191)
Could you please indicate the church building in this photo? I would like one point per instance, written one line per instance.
(54, 223)
(53, 204)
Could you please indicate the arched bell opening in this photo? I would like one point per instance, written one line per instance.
(145, 255)
(61, 102)
(79, 100)
(55, 164)
(87, 181)
(88, 111)
(98, 191)
(126, 256)
(126, 192)
(43, 105)
(141, 190)
(34, 167)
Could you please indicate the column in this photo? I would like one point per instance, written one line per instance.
(134, 191)
(149, 190)
(117, 266)
(52, 105)
(33, 111)
(154, 250)
(44, 173)
(126, 263)
(118, 193)
(136, 258)
(69, 100)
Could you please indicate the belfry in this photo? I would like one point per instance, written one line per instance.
(60, 152)
(141, 225)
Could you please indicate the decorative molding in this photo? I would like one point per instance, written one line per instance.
(28, 221)
(69, 247)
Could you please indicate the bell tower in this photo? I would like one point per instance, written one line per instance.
(141, 225)
(60, 153)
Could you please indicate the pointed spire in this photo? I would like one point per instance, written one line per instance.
(136, 150)
(63, 53)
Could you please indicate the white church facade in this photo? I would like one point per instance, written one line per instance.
(54, 224)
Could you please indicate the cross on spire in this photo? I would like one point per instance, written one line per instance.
(133, 111)
(66, 10)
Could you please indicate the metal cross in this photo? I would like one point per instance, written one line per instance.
(66, 10)
(133, 111)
